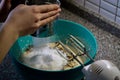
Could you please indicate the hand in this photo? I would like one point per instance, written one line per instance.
(24, 20)
(5, 6)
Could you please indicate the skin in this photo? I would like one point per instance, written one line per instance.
(24, 20)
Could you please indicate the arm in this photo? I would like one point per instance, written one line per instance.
(24, 20)
(7, 38)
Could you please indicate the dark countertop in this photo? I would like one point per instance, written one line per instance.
(109, 46)
(108, 41)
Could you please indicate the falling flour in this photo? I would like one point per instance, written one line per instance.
(44, 58)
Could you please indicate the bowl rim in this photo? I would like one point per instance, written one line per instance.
(77, 67)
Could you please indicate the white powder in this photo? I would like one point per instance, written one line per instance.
(44, 58)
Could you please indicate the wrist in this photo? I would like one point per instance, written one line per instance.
(7, 38)
(10, 31)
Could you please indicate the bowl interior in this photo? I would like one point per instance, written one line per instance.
(62, 28)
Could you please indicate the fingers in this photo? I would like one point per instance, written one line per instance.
(49, 14)
(41, 16)
(47, 20)
(45, 8)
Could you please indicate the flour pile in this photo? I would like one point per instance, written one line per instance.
(44, 58)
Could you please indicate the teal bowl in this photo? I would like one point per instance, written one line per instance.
(62, 28)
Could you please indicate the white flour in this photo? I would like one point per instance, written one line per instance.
(44, 58)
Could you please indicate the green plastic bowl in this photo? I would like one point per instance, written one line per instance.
(62, 28)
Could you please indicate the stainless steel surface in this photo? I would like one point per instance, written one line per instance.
(73, 48)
